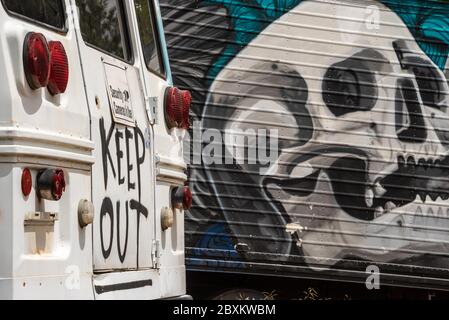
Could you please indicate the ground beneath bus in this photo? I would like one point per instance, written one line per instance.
(275, 288)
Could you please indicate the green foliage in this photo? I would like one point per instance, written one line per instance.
(100, 25)
(46, 11)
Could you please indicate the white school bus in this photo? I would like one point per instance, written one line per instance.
(91, 168)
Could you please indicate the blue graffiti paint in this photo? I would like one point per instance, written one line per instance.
(427, 21)
(216, 243)
(248, 19)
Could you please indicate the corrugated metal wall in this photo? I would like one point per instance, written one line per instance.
(324, 129)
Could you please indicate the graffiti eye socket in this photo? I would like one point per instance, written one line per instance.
(349, 86)
(431, 81)
(342, 91)
(430, 86)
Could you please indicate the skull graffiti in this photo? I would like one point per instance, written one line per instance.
(362, 117)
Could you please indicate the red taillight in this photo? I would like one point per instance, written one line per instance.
(187, 102)
(51, 184)
(188, 199)
(177, 108)
(182, 198)
(36, 60)
(59, 70)
(27, 182)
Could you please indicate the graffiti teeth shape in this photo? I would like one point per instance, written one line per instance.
(422, 196)
(418, 199)
(379, 211)
(422, 163)
(411, 161)
(379, 190)
(401, 161)
(369, 197)
(389, 206)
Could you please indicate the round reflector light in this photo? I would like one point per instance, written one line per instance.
(27, 182)
(188, 198)
(59, 68)
(177, 108)
(51, 184)
(182, 198)
(36, 60)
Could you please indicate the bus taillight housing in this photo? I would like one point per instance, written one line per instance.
(36, 60)
(177, 108)
(51, 184)
(59, 68)
(45, 64)
(182, 198)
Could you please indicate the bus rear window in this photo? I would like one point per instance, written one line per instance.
(104, 27)
(48, 12)
(149, 36)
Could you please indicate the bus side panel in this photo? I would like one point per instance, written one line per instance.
(46, 254)
(324, 136)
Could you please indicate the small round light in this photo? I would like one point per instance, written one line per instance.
(58, 184)
(172, 107)
(187, 102)
(36, 60)
(188, 198)
(50, 184)
(182, 198)
(86, 213)
(177, 108)
(27, 182)
(167, 218)
(59, 70)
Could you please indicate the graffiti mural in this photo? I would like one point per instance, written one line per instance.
(358, 93)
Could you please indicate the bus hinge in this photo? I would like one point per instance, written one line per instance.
(156, 254)
(152, 110)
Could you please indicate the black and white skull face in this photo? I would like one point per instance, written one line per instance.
(363, 121)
